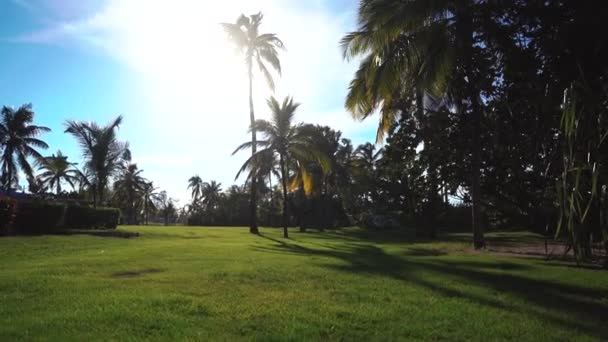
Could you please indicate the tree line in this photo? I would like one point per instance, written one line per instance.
(502, 106)
(107, 177)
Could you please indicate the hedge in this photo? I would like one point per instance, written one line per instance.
(38, 217)
(43, 217)
(81, 217)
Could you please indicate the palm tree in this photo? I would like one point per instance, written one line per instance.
(57, 169)
(196, 184)
(211, 194)
(413, 48)
(102, 151)
(366, 156)
(128, 187)
(261, 49)
(19, 139)
(150, 197)
(287, 142)
(166, 206)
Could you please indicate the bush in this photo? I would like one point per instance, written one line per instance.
(38, 217)
(7, 214)
(82, 217)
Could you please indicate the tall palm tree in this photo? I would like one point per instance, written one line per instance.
(102, 151)
(261, 49)
(56, 169)
(20, 139)
(286, 142)
(128, 188)
(196, 184)
(410, 48)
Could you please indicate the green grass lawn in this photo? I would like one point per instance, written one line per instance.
(223, 283)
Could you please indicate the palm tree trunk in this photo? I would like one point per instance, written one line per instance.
(284, 181)
(465, 32)
(478, 239)
(58, 187)
(431, 211)
(94, 196)
(253, 226)
(9, 165)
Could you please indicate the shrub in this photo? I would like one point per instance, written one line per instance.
(7, 214)
(82, 217)
(38, 217)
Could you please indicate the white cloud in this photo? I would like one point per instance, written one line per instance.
(191, 87)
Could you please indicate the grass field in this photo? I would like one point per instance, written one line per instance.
(223, 283)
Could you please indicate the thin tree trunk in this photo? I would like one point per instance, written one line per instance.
(284, 181)
(478, 239)
(10, 172)
(465, 28)
(253, 226)
(431, 171)
(94, 196)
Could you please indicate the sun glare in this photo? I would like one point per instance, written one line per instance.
(184, 58)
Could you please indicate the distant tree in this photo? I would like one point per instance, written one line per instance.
(102, 151)
(150, 197)
(19, 138)
(166, 206)
(211, 193)
(261, 49)
(287, 142)
(56, 169)
(128, 189)
(196, 184)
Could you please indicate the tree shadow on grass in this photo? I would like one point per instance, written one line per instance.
(548, 301)
(355, 234)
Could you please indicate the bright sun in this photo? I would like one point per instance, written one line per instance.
(183, 54)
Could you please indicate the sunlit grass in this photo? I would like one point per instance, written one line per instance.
(223, 283)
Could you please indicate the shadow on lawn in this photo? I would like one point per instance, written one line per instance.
(548, 301)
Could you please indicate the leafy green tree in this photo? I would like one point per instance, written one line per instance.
(19, 138)
(259, 49)
(56, 169)
(102, 151)
(286, 142)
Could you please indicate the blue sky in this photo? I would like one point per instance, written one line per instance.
(166, 66)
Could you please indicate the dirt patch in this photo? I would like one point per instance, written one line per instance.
(134, 274)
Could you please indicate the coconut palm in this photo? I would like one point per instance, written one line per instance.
(290, 144)
(196, 184)
(413, 48)
(366, 156)
(20, 139)
(150, 197)
(56, 169)
(128, 188)
(259, 49)
(211, 194)
(102, 151)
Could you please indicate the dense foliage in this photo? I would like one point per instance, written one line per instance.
(500, 105)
